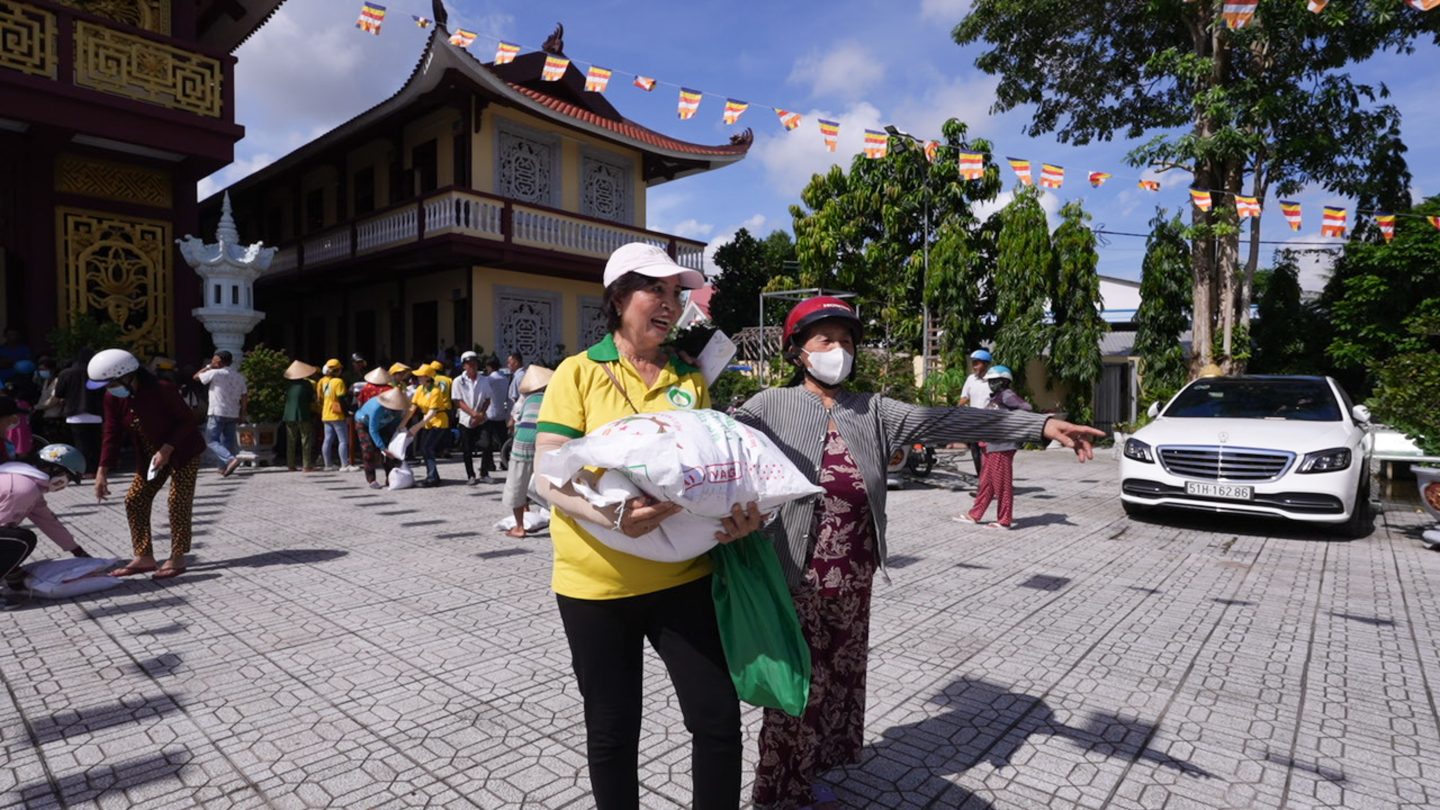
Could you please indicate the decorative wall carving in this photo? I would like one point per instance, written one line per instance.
(592, 321)
(28, 40)
(605, 188)
(151, 15)
(526, 321)
(110, 180)
(126, 65)
(119, 268)
(527, 166)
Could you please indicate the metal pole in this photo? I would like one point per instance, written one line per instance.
(763, 369)
(924, 298)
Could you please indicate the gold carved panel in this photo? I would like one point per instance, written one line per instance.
(126, 65)
(151, 15)
(28, 40)
(111, 180)
(120, 269)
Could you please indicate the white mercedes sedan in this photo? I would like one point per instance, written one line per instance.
(1285, 446)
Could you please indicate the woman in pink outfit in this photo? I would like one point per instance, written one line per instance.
(997, 476)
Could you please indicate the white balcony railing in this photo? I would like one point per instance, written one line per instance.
(554, 231)
(468, 214)
(329, 246)
(385, 230)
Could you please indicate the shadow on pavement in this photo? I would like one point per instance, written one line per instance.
(70, 722)
(298, 556)
(89, 784)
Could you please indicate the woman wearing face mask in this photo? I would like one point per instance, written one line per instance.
(23, 488)
(610, 602)
(168, 445)
(997, 474)
(831, 546)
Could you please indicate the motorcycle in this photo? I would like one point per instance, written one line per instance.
(916, 459)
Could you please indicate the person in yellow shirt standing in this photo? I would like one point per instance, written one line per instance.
(330, 395)
(433, 403)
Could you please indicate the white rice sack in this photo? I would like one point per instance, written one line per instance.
(703, 460)
(535, 520)
(401, 478)
(67, 577)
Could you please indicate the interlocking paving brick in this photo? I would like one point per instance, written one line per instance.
(405, 654)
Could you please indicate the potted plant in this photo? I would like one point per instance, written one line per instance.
(264, 370)
(1405, 400)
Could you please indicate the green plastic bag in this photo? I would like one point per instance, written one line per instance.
(766, 651)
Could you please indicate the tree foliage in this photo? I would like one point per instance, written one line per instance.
(747, 266)
(1164, 309)
(89, 331)
(1075, 308)
(1284, 326)
(264, 370)
(1405, 393)
(1243, 112)
(1024, 262)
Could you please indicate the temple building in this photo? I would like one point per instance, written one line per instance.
(110, 112)
(475, 206)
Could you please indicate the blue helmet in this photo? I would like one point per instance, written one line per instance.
(24, 367)
(981, 355)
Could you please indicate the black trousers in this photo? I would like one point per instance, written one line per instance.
(607, 639)
(489, 436)
(978, 455)
(86, 439)
(15, 545)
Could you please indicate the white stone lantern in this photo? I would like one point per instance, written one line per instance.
(228, 271)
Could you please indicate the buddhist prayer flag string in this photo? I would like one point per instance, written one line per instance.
(1387, 225)
(645, 83)
(1317, 6)
(372, 15)
(1238, 13)
(1291, 210)
(1246, 206)
(554, 68)
(506, 52)
(830, 131)
(734, 109)
(597, 79)
(877, 144)
(1022, 170)
(1334, 222)
(972, 165)
(1149, 185)
(461, 38)
(1097, 179)
(1434, 221)
(421, 22)
(932, 149)
(1201, 199)
(789, 120)
(1051, 176)
(1422, 5)
(689, 103)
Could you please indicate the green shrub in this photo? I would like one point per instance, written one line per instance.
(264, 370)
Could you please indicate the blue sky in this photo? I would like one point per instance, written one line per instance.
(865, 63)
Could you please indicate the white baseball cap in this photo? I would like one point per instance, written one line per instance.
(652, 261)
(469, 356)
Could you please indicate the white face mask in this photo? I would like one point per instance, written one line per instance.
(58, 483)
(832, 366)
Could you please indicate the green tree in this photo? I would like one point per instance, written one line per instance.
(747, 265)
(1024, 261)
(1164, 309)
(1283, 332)
(1266, 107)
(1406, 383)
(88, 331)
(1075, 308)
(264, 370)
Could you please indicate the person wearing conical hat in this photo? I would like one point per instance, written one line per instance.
(376, 382)
(524, 418)
(375, 425)
(299, 414)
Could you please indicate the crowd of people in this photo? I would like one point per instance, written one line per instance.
(830, 547)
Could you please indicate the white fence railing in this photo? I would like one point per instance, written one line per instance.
(387, 229)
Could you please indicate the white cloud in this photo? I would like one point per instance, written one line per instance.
(753, 225)
(946, 11)
(968, 99)
(662, 203)
(792, 158)
(847, 70)
(692, 229)
(1048, 202)
(241, 168)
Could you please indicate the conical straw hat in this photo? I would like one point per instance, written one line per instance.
(378, 376)
(536, 377)
(299, 370)
(394, 399)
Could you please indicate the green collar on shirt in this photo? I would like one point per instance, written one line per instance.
(606, 352)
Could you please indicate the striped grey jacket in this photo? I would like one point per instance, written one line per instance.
(872, 426)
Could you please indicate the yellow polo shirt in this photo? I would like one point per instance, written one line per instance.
(579, 399)
(436, 399)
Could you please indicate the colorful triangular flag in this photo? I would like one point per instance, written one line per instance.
(1291, 210)
(1334, 222)
(830, 131)
(597, 79)
(1097, 179)
(932, 150)
(422, 22)
(1051, 176)
(644, 83)
(877, 144)
(734, 109)
(1022, 170)
(1422, 5)
(1316, 6)
(1238, 13)
(1434, 221)
(689, 102)
(1387, 225)
(972, 165)
(461, 38)
(1246, 206)
(1149, 185)
(1201, 199)
(372, 15)
(506, 52)
(555, 67)
(788, 119)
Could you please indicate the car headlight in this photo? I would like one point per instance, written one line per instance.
(1136, 450)
(1332, 460)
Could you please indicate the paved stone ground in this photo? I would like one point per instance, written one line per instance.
(334, 647)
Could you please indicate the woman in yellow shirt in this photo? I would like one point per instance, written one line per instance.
(433, 401)
(611, 602)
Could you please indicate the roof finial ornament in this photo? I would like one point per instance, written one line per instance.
(437, 10)
(556, 43)
(743, 138)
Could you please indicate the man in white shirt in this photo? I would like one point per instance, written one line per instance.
(471, 394)
(228, 397)
(976, 393)
(515, 364)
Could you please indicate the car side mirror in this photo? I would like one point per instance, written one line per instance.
(1361, 414)
(1154, 410)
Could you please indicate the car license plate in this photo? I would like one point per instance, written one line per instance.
(1235, 492)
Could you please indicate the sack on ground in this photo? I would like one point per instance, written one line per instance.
(62, 579)
(765, 648)
(401, 477)
(535, 520)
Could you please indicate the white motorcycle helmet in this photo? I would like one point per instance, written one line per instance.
(111, 364)
(999, 373)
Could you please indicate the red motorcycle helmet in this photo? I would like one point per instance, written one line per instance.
(811, 311)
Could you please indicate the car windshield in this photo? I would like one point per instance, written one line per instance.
(1299, 400)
